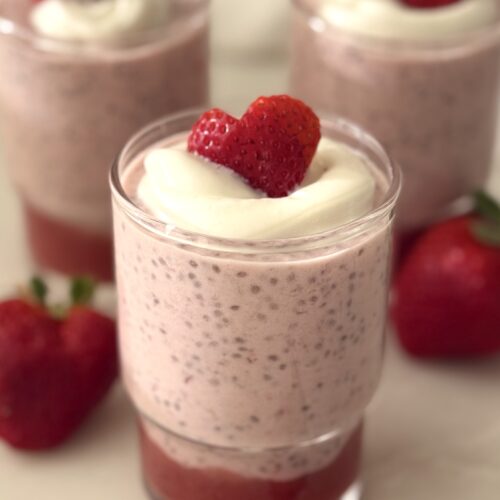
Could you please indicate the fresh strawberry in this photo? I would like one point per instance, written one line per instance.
(429, 4)
(53, 371)
(403, 243)
(271, 145)
(447, 293)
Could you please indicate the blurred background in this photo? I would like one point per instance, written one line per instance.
(434, 428)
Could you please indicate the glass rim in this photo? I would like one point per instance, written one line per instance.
(485, 36)
(49, 44)
(385, 205)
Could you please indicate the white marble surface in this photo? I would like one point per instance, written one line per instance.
(433, 430)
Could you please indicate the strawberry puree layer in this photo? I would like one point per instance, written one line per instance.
(68, 249)
(167, 479)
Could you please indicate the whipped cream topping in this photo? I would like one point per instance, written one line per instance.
(395, 19)
(194, 194)
(98, 19)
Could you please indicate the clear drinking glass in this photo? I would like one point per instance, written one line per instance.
(251, 363)
(432, 104)
(66, 109)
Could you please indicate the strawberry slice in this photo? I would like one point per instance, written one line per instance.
(428, 4)
(271, 146)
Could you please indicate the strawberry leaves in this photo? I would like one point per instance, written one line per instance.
(486, 228)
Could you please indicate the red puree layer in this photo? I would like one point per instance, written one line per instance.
(67, 249)
(167, 479)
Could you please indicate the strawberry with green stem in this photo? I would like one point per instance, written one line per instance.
(447, 292)
(56, 364)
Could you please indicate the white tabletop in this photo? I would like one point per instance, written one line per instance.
(433, 431)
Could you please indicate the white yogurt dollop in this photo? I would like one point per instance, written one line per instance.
(395, 19)
(96, 20)
(196, 195)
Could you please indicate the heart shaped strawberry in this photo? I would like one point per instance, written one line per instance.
(428, 4)
(271, 145)
(55, 366)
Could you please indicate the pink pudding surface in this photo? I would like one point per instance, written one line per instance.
(66, 109)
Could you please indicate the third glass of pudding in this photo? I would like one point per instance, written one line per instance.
(251, 328)
(424, 81)
(78, 79)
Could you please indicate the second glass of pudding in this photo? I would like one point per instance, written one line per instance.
(251, 361)
(424, 81)
(78, 79)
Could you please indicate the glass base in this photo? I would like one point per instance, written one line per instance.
(167, 478)
(353, 493)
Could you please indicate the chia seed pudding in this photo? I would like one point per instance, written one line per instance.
(250, 362)
(67, 106)
(429, 95)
